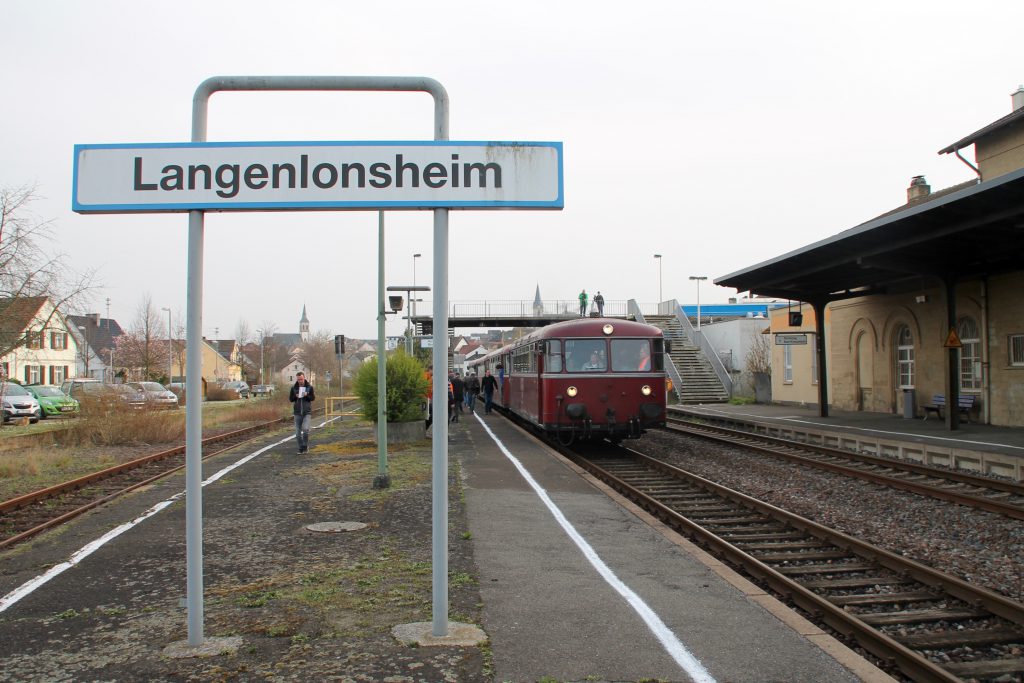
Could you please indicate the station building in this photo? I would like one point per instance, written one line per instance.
(921, 301)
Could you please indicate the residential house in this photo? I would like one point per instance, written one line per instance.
(36, 345)
(95, 338)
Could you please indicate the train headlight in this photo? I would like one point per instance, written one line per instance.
(608, 329)
(571, 391)
(645, 390)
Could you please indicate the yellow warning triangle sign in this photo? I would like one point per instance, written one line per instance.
(952, 340)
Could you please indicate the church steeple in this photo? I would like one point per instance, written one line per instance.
(304, 325)
(538, 305)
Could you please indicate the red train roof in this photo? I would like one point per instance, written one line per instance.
(584, 327)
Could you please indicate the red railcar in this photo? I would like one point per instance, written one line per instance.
(583, 379)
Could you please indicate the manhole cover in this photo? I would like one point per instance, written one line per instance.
(335, 527)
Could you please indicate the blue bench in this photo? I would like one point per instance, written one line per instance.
(965, 402)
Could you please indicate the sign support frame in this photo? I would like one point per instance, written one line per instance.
(194, 306)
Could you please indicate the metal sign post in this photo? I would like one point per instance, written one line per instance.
(200, 176)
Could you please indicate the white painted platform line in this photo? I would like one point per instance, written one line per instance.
(673, 646)
(88, 549)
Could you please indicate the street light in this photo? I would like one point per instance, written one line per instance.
(170, 370)
(414, 257)
(658, 256)
(262, 339)
(698, 278)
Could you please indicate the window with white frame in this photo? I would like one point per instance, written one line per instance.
(970, 354)
(787, 364)
(34, 339)
(33, 374)
(1016, 346)
(58, 340)
(905, 357)
(58, 373)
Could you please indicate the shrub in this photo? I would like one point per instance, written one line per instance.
(406, 388)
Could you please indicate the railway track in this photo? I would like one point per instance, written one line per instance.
(929, 625)
(27, 515)
(985, 493)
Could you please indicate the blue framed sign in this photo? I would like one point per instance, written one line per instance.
(255, 176)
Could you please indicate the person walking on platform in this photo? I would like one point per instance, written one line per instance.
(458, 391)
(472, 389)
(599, 302)
(583, 303)
(488, 384)
(302, 396)
(430, 395)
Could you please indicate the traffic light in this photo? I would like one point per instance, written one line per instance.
(339, 345)
(796, 318)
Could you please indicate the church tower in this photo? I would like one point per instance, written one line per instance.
(538, 304)
(304, 325)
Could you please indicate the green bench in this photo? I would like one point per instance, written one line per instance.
(965, 402)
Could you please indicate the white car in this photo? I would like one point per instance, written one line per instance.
(18, 403)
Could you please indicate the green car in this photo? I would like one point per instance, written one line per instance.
(53, 401)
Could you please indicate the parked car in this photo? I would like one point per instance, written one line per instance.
(130, 396)
(262, 389)
(157, 395)
(19, 403)
(241, 388)
(53, 401)
(93, 396)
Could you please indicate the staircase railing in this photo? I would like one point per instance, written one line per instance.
(705, 347)
(677, 381)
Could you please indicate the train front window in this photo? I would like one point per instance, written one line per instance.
(553, 356)
(585, 355)
(634, 355)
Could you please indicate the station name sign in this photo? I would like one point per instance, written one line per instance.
(254, 176)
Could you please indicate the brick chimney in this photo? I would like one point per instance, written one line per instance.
(919, 188)
(1018, 98)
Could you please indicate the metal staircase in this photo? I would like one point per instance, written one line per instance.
(699, 381)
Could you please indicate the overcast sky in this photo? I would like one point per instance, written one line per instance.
(717, 134)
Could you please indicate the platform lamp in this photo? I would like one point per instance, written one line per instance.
(170, 355)
(698, 278)
(658, 256)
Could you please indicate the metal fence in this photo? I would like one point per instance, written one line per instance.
(568, 308)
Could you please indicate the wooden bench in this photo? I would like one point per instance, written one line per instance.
(965, 402)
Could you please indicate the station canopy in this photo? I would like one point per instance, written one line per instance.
(963, 232)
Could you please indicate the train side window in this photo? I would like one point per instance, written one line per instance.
(553, 357)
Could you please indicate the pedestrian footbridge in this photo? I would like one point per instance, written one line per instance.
(524, 313)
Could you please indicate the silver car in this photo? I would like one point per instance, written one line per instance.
(18, 403)
(157, 395)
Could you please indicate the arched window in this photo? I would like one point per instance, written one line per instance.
(905, 357)
(970, 354)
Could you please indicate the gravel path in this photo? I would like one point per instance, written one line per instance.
(980, 547)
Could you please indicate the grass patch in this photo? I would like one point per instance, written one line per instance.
(742, 400)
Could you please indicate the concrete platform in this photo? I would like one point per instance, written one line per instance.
(976, 447)
(628, 600)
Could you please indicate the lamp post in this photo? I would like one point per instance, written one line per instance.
(698, 278)
(170, 355)
(412, 305)
(658, 256)
(262, 339)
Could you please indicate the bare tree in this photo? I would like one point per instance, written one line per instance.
(141, 346)
(759, 358)
(318, 353)
(27, 269)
